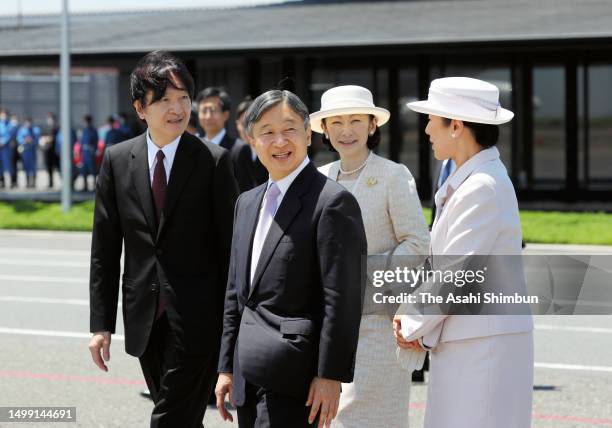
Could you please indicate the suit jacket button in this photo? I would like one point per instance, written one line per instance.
(154, 287)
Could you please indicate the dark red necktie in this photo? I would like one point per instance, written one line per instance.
(159, 185)
(159, 196)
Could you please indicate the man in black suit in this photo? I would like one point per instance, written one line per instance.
(168, 199)
(258, 171)
(295, 289)
(214, 106)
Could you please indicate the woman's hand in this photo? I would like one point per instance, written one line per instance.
(399, 338)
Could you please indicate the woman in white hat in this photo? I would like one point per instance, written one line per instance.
(394, 223)
(481, 370)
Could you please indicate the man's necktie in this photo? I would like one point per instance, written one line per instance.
(159, 185)
(159, 196)
(263, 225)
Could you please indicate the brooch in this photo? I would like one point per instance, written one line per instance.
(371, 181)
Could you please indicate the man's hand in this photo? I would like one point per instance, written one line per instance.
(225, 386)
(100, 340)
(399, 337)
(324, 395)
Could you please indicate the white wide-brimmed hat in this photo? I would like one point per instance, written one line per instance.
(349, 99)
(464, 98)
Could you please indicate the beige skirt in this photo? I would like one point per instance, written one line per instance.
(481, 383)
(379, 394)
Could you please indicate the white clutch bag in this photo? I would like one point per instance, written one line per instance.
(410, 359)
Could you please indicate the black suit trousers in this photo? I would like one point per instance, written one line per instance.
(180, 384)
(267, 409)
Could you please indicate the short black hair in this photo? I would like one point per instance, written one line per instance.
(244, 105)
(485, 135)
(193, 118)
(155, 72)
(372, 143)
(88, 118)
(269, 99)
(216, 91)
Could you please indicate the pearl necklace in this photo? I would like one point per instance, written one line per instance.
(359, 168)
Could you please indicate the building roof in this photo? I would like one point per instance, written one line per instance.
(313, 26)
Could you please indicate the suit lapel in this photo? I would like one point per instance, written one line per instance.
(289, 208)
(332, 173)
(181, 170)
(226, 142)
(250, 224)
(139, 170)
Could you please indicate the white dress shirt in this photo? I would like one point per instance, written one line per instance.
(169, 153)
(217, 138)
(283, 185)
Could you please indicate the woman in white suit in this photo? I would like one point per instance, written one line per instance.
(394, 222)
(481, 371)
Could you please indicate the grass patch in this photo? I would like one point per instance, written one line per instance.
(45, 216)
(567, 227)
(538, 226)
(554, 227)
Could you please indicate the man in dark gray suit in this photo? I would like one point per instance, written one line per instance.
(167, 198)
(214, 106)
(294, 294)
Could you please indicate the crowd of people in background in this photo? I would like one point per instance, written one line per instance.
(22, 142)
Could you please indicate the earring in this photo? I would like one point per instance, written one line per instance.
(326, 137)
(453, 135)
(371, 134)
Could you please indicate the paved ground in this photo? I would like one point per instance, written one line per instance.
(42, 191)
(44, 359)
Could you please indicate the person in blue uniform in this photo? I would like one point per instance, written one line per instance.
(113, 135)
(5, 146)
(13, 127)
(124, 127)
(89, 143)
(27, 143)
(58, 150)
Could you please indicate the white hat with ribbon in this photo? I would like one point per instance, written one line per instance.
(348, 99)
(464, 98)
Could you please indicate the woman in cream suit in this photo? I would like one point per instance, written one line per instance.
(393, 219)
(481, 365)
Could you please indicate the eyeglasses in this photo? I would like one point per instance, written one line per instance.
(210, 110)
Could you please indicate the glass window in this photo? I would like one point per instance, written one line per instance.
(32, 91)
(600, 126)
(549, 126)
(409, 120)
(582, 147)
(381, 99)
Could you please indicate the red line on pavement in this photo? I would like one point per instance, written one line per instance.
(578, 419)
(69, 378)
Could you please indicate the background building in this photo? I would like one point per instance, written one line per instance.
(551, 59)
